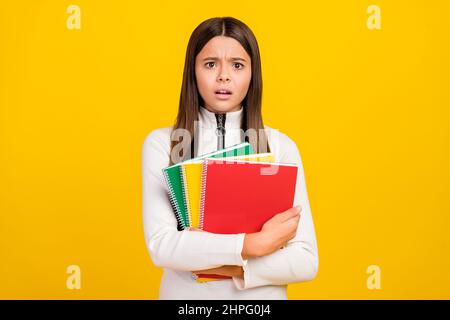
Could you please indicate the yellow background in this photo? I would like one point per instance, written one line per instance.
(368, 109)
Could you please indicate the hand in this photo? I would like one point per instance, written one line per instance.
(274, 234)
(194, 229)
(230, 271)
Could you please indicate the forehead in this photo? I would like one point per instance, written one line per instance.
(222, 47)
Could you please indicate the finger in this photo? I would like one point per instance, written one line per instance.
(277, 218)
(293, 235)
(282, 217)
(293, 212)
(297, 209)
(293, 222)
(290, 226)
(295, 219)
(211, 271)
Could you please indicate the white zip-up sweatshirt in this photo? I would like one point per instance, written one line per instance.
(180, 252)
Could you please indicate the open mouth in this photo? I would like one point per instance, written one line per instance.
(223, 92)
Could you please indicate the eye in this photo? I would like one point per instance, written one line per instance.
(238, 65)
(208, 64)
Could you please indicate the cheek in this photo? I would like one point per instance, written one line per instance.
(244, 82)
(200, 81)
(203, 80)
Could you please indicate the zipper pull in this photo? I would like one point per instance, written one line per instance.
(220, 131)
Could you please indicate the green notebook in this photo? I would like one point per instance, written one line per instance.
(173, 178)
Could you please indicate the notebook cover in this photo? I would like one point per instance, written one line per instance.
(192, 175)
(172, 177)
(240, 196)
(192, 179)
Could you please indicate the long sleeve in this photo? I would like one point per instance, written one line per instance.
(298, 261)
(168, 247)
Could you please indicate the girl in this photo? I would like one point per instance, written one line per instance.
(220, 106)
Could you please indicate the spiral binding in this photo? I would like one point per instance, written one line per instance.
(185, 196)
(173, 203)
(203, 192)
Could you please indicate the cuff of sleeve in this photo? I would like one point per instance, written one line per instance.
(239, 246)
(242, 283)
(239, 282)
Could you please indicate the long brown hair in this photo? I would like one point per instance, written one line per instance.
(190, 99)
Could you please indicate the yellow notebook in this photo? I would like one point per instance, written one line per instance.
(192, 182)
(192, 173)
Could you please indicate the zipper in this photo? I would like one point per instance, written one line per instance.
(220, 130)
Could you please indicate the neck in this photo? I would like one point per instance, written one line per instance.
(213, 110)
(233, 118)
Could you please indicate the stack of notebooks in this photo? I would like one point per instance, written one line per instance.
(229, 191)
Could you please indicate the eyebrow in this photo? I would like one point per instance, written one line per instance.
(232, 59)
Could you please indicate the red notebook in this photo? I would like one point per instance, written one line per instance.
(240, 196)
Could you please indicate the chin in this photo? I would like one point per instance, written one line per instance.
(222, 106)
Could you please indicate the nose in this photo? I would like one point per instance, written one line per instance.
(223, 76)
